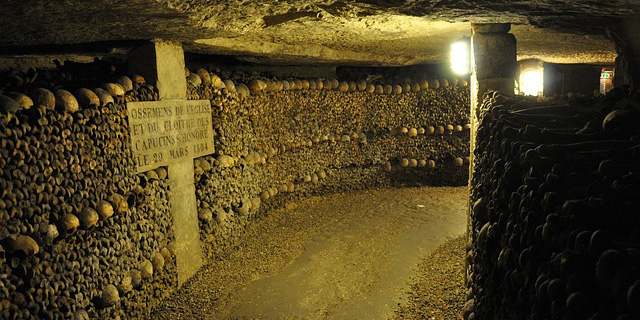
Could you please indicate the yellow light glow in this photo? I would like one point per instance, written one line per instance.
(460, 57)
(532, 82)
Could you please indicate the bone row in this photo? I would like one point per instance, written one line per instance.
(203, 77)
(66, 101)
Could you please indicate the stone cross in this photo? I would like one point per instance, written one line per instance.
(172, 132)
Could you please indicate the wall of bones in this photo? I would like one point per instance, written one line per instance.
(556, 228)
(83, 236)
(278, 140)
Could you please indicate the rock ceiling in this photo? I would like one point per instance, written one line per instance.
(356, 32)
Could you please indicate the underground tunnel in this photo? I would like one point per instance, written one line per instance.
(320, 159)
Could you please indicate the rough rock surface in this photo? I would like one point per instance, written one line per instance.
(334, 31)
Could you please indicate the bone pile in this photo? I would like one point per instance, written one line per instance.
(555, 210)
(278, 140)
(81, 235)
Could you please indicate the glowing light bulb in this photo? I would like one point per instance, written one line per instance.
(532, 82)
(460, 57)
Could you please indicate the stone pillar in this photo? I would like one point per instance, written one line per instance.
(161, 63)
(185, 220)
(627, 43)
(494, 67)
(493, 61)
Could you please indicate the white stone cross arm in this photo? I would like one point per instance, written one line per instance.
(169, 131)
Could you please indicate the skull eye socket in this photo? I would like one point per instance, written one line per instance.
(130, 200)
(20, 254)
(70, 231)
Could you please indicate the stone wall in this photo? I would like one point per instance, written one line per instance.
(275, 145)
(555, 223)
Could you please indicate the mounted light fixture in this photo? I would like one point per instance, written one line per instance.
(532, 82)
(530, 77)
(460, 56)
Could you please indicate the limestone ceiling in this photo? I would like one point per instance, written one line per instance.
(362, 32)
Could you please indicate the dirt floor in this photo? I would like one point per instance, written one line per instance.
(437, 291)
(344, 256)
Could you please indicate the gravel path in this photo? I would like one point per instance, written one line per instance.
(437, 292)
(344, 256)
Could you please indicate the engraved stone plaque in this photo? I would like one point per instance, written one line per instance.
(169, 131)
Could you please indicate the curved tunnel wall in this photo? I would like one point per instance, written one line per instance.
(84, 236)
(277, 145)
